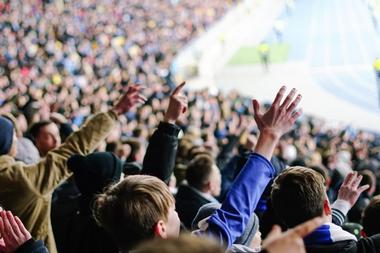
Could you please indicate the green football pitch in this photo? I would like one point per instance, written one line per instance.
(249, 55)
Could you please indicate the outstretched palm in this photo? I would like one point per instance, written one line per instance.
(280, 117)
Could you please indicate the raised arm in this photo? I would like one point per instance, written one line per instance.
(229, 222)
(52, 170)
(349, 192)
(159, 160)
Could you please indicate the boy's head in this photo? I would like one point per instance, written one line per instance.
(298, 195)
(371, 221)
(136, 209)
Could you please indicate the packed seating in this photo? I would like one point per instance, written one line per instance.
(102, 151)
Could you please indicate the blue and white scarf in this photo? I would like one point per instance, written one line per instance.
(328, 234)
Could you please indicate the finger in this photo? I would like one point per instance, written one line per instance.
(348, 178)
(357, 181)
(294, 104)
(3, 247)
(288, 98)
(306, 228)
(13, 223)
(140, 101)
(296, 115)
(256, 107)
(21, 226)
(2, 228)
(279, 96)
(179, 88)
(142, 97)
(363, 188)
(274, 233)
(352, 179)
(134, 88)
(8, 231)
(182, 97)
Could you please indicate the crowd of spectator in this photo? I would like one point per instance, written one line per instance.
(79, 137)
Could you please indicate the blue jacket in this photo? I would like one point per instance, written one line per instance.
(228, 222)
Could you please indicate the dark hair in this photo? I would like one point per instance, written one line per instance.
(368, 178)
(321, 170)
(34, 130)
(371, 221)
(136, 146)
(199, 170)
(298, 195)
(111, 147)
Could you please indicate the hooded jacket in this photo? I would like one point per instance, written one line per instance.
(26, 189)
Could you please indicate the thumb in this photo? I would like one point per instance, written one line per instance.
(2, 245)
(363, 188)
(275, 232)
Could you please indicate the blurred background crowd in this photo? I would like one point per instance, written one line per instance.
(63, 61)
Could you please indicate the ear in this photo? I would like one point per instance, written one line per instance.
(160, 229)
(326, 207)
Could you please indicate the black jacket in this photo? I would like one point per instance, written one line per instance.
(188, 202)
(82, 234)
(32, 246)
(364, 245)
(159, 160)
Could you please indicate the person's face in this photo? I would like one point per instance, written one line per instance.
(215, 181)
(48, 139)
(173, 223)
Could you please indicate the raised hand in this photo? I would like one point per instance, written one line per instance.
(276, 121)
(131, 97)
(177, 106)
(281, 116)
(350, 190)
(291, 240)
(14, 233)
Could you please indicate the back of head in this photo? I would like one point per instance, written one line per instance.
(185, 244)
(369, 178)
(136, 147)
(371, 221)
(129, 210)
(199, 170)
(95, 171)
(298, 195)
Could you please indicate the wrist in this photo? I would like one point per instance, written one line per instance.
(266, 143)
(169, 120)
(342, 205)
(270, 135)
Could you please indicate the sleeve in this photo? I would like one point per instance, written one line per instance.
(32, 246)
(159, 160)
(52, 170)
(340, 209)
(229, 222)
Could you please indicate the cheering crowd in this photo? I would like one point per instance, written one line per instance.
(90, 161)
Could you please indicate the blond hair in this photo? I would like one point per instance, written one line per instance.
(129, 210)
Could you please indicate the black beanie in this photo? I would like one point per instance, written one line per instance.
(6, 135)
(94, 172)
